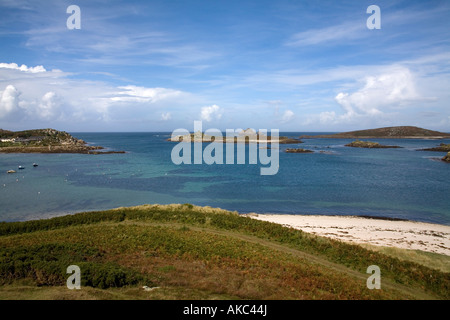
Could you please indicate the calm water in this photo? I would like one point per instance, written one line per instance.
(399, 183)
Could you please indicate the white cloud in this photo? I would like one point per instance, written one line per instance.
(142, 94)
(55, 99)
(327, 117)
(166, 116)
(49, 107)
(336, 33)
(392, 96)
(211, 112)
(9, 101)
(288, 115)
(382, 92)
(23, 67)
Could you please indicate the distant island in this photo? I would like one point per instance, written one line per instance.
(247, 136)
(368, 144)
(45, 141)
(401, 132)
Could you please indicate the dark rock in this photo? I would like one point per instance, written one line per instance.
(446, 158)
(298, 150)
(368, 144)
(442, 148)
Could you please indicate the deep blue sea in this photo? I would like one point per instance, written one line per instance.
(398, 183)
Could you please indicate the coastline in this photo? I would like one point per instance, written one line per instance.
(58, 149)
(403, 234)
(377, 231)
(196, 250)
(46, 141)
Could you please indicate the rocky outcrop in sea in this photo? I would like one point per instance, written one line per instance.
(368, 144)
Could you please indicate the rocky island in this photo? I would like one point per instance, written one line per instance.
(442, 148)
(400, 132)
(45, 141)
(298, 150)
(246, 136)
(368, 144)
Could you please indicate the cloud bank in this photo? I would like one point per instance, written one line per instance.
(36, 97)
(23, 67)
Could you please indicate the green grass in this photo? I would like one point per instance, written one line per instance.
(192, 252)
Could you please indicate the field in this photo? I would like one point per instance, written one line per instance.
(190, 252)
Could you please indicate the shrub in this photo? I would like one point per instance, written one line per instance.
(47, 265)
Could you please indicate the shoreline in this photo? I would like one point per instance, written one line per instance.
(357, 229)
(57, 149)
(378, 231)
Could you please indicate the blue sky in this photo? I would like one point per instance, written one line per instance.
(287, 65)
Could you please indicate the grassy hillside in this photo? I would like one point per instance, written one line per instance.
(189, 252)
(387, 132)
(46, 141)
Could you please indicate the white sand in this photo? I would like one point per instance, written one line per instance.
(402, 234)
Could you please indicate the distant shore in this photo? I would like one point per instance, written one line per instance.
(58, 149)
(399, 132)
(46, 141)
(398, 233)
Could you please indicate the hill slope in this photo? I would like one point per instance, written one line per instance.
(45, 141)
(189, 252)
(402, 132)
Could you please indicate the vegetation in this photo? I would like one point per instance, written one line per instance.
(46, 264)
(44, 137)
(45, 141)
(192, 252)
(399, 132)
(446, 158)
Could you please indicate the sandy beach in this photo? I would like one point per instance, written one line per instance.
(402, 234)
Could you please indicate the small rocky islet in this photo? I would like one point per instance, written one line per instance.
(441, 148)
(369, 145)
(298, 150)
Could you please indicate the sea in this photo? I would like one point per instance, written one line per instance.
(399, 183)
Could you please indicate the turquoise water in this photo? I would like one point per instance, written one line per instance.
(397, 183)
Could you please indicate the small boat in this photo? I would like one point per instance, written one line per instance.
(20, 167)
(11, 171)
(35, 164)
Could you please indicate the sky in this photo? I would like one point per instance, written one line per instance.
(159, 65)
